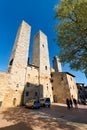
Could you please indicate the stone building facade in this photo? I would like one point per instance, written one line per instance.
(63, 86)
(82, 96)
(23, 80)
(63, 83)
(32, 83)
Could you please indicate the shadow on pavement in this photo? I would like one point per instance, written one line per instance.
(18, 126)
(44, 118)
(77, 115)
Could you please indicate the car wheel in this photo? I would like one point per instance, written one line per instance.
(49, 106)
(43, 105)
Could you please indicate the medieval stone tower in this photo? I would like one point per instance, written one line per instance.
(40, 58)
(18, 62)
(56, 64)
(25, 81)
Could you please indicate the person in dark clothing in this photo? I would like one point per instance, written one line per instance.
(75, 102)
(71, 103)
(68, 103)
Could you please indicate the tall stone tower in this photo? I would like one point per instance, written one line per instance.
(57, 64)
(40, 58)
(18, 64)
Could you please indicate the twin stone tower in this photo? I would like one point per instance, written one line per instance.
(26, 80)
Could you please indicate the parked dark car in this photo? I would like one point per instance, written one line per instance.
(45, 102)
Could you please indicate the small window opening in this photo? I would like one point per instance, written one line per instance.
(35, 93)
(11, 62)
(42, 45)
(51, 75)
(27, 93)
(51, 80)
(45, 67)
(62, 78)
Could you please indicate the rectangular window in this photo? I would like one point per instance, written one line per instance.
(70, 78)
(51, 75)
(35, 93)
(45, 67)
(51, 80)
(27, 93)
(61, 78)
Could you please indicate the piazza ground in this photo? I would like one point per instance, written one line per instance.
(58, 117)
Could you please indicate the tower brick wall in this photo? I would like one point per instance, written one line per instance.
(18, 64)
(57, 64)
(40, 58)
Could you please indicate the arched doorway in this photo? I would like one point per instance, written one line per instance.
(14, 101)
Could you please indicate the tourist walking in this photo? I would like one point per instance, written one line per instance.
(71, 103)
(75, 102)
(68, 103)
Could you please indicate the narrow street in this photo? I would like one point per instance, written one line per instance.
(58, 117)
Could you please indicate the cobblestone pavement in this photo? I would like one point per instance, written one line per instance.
(58, 117)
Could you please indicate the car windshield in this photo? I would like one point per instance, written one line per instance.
(47, 99)
(36, 101)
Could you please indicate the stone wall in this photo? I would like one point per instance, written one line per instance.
(17, 68)
(4, 87)
(32, 83)
(61, 86)
(72, 86)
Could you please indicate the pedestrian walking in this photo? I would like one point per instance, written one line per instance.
(75, 102)
(71, 103)
(68, 103)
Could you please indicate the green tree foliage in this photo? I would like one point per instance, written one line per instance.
(71, 33)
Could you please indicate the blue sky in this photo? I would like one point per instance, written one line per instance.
(39, 14)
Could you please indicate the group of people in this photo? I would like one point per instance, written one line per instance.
(70, 102)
